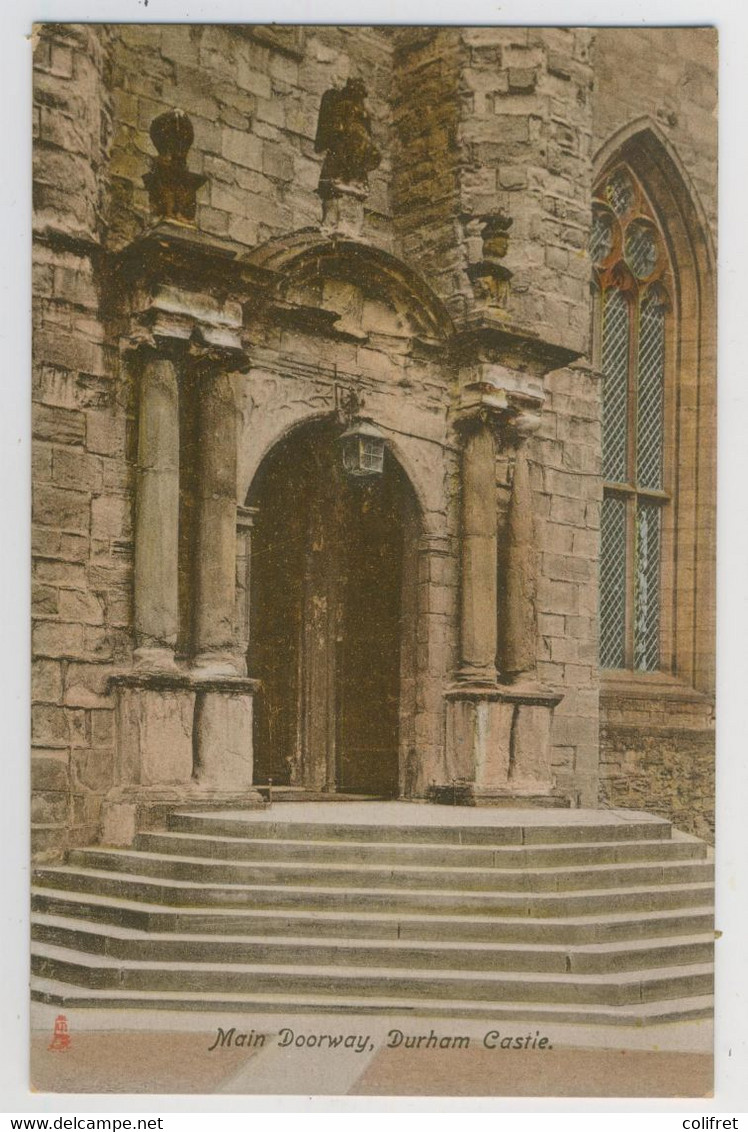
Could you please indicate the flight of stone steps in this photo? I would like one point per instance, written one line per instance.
(545, 918)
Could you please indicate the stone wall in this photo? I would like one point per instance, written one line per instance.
(657, 754)
(81, 501)
(488, 121)
(568, 498)
(668, 75)
(253, 96)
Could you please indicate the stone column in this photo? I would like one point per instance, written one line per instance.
(520, 617)
(222, 727)
(478, 617)
(157, 514)
(214, 639)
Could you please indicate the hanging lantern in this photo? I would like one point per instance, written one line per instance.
(363, 449)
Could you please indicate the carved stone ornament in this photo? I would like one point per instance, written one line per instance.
(344, 135)
(491, 280)
(172, 189)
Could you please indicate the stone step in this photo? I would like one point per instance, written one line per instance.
(203, 869)
(171, 891)
(233, 824)
(128, 943)
(369, 925)
(50, 961)
(65, 996)
(404, 853)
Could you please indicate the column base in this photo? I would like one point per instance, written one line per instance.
(222, 735)
(149, 659)
(498, 744)
(218, 664)
(475, 676)
(181, 738)
(128, 810)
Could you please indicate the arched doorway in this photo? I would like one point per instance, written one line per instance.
(332, 617)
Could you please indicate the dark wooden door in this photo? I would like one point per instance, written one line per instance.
(368, 655)
(325, 626)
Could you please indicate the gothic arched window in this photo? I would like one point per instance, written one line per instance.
(634, 336)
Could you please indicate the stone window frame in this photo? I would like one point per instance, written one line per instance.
(688, 222)
(613, 272)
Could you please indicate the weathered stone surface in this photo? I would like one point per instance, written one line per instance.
(215, 563)
(93, 769)
(49, 771)
(61, 508)
(479, 544)
(86, 685)
(154, 736)
(157, 512)
(46, 681)
(223, 740)
(49, 808)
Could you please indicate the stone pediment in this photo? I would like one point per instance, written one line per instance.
(369, 290)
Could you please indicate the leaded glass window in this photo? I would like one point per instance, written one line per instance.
(632, 275)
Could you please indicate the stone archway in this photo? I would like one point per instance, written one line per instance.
(333, 612)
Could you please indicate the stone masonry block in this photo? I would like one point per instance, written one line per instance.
(86, 685)
(46, 681)
(76, 469)
(522, 80)
(60, 508)
(49, 725)
(49, 808)
(49, 770)
(65, 426)
(242, 148)
(106, 432)
(93, 769)
(55, 639)
(44, 601)
(102, 727)
(81, 605)
(111, 517)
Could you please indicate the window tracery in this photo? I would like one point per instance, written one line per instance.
(634, 284)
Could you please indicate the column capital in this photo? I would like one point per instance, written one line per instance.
(205, 359)
(245, 517)
(489, 338)
(520, 425)
(480, 403)
(184, 341)
(140, 343)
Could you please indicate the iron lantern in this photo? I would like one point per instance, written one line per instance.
(363, 449)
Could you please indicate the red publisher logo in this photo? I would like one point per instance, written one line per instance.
(61, 1036)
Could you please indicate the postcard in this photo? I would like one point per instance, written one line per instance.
(374, 485)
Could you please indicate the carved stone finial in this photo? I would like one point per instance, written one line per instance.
(172, 189)
(489, 276)
(344, 135)
(495, 235)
